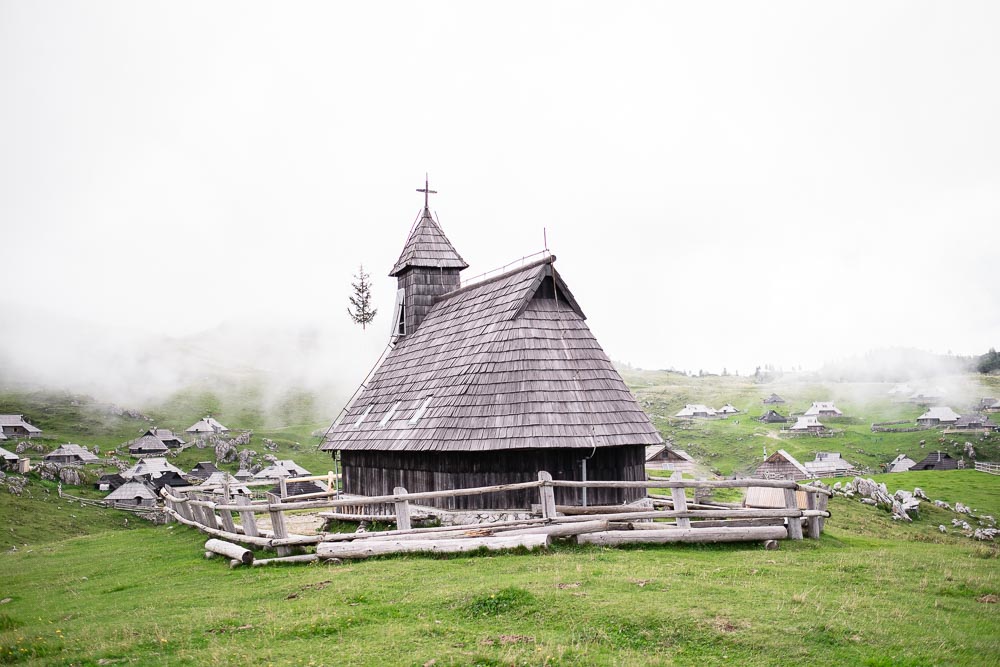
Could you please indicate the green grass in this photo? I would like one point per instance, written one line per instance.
(85, 591)
(865, 594)
(66, 417)
(737, 444)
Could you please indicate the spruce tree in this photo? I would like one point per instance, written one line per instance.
(362, 299)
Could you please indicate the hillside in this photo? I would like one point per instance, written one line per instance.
(76, 600)
(736, 444)
(88, 586)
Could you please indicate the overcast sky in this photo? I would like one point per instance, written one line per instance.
(724, 184)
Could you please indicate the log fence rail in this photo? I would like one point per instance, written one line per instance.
(692, 522)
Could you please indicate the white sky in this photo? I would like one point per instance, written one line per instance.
(725, 184)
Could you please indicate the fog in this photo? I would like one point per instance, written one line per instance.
(187, 187)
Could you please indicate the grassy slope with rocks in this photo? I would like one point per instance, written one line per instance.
(83, 590)
(737, 444)
(865, 594)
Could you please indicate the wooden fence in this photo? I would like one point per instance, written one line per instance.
(986, 466)
(610, 525)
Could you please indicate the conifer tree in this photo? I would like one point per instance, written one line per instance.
(362, 299)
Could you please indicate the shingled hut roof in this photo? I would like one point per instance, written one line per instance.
(130, 491)
(428, 246)
(8, 455)
(69, 450)
(18, 420)
(498, 365)
(147, 444)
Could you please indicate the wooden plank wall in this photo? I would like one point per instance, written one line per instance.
(373, 473)
(422, 286)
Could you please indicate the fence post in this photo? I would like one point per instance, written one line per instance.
(283, 487)
(822, 500)
(329, 481)
(812, 523)
(278, 524)
(680, 500)
(247, 518)
(402, 510)
(227, 518)
(548, 496)
(794, 522)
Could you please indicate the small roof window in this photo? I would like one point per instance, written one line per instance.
(357, 424)
(420, 411)
(389, 414)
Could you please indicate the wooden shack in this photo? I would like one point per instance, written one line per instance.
(696, 411)
(782, 465)
(205, 427)
(936, 461)
(937, 416)
(109, 482)
(772, 417)
(8, 459)
(901, 463)
(773, 399)
(147, 445)
(203, 470)
(131, 494)
(664, 457)
(489, 384)
(829, 464)
(166, 436)
(16, 426)
(975, 422)
(70, 453)
(823, 409)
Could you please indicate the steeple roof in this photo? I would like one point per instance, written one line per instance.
(428, 247)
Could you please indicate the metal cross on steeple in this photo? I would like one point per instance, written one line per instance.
(427, 191)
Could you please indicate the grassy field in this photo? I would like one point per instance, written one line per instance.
(88, 586)
(737, 444)
(865, 594)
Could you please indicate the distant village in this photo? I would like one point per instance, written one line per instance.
(782, 465)
(137, 485)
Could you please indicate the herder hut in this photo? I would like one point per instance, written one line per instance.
(697, 411)
(206, 426)
(221, 477)
(203, 470)
(662, 457)
(150, 468)
(8, 460)
(773, 399)
(936, 461)
(727, 409)
(829, 464)
(772, 417)
(243, 475)
(988, 405)
(109, 482)
(807, 425)
(975, 422)
(489, 384)
(282, 468)
(17, 426)
(938, 415)
(70, 453)
(822, 409)
(131, 494)
(147, 445)
(166, 436)
(901, 463)
(781, 465)
(174, 479)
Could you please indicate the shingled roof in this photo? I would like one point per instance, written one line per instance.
(494, 366)
(428, 246)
